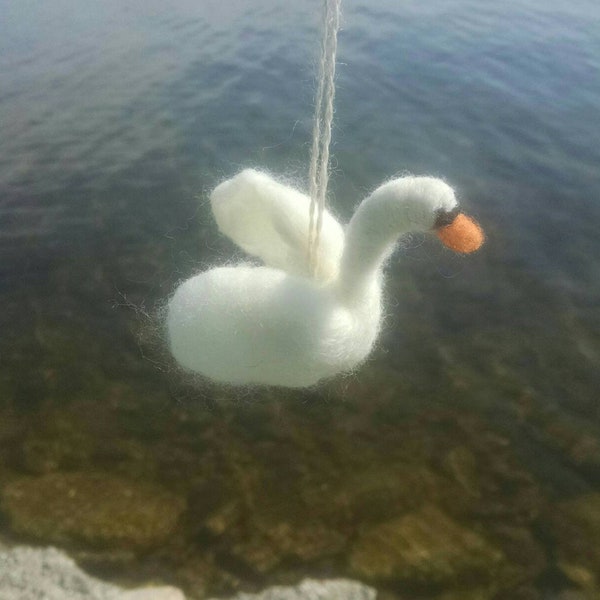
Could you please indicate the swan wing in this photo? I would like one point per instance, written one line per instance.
(270, 220)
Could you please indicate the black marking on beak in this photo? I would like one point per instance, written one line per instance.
(443, 218)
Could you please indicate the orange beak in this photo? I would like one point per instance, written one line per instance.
(463, 235)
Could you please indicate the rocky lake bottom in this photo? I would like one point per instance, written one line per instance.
(144, 476)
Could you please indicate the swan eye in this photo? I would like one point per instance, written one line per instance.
(443, 218)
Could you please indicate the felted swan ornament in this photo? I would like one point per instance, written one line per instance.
(281, 324)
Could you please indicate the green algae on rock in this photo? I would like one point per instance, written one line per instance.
(576, 531)
(276, 542)
(282, 487)
(91, 508)
(424, 547)
(62, 440)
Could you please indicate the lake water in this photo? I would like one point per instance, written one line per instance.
(117, 119)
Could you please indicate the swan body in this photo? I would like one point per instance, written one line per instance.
(278, 330)
(275, 324)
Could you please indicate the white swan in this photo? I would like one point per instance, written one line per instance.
(274, 324)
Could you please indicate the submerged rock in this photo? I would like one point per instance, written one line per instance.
(54, 441)
(97, 509)
(48, 574)
(276, 541)
(424, 547)
(280, 488)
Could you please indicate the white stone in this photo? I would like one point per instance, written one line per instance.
(312, 589)
(49, 574)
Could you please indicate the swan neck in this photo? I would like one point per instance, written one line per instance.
(370, 239)
(397, 207)
(394, 209)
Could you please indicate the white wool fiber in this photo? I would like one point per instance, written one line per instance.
(318, 172)
(275, 324)
(257, 325)
(270, 221)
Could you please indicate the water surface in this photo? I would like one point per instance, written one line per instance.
(116, 120)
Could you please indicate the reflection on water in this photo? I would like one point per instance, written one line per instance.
(478, 411)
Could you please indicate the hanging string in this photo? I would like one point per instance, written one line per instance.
(318, 173)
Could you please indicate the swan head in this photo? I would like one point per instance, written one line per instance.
(414, 203)
(426, 204)
(400, 206)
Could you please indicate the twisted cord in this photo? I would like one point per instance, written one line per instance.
(318, 173)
